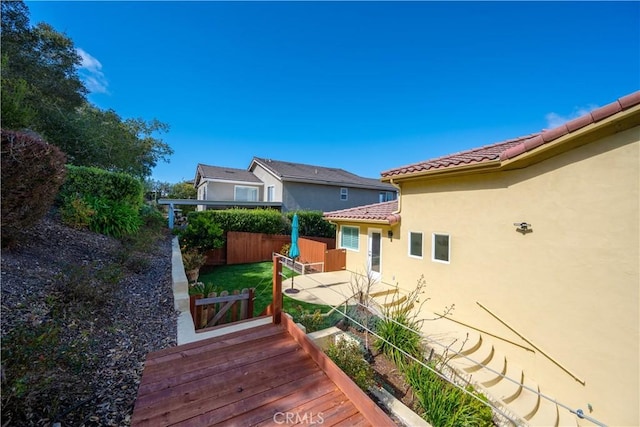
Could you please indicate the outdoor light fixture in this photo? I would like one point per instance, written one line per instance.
(390, 235)
(523, 227)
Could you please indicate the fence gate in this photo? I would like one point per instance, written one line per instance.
(221, 309)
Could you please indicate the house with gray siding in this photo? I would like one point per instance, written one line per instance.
(290, 186)
(229, 186)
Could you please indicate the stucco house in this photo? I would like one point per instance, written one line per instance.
(288, 186)
(536, 242)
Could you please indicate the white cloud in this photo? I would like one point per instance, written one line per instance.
(555, 120)
(91, 73)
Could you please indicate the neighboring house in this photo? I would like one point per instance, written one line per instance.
(543, 231)
(228, 187)
(290, 186)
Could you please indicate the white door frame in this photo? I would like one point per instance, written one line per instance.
(375, 275)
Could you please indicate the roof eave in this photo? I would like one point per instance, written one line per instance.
(360, 220)
(334, 183)
(619, 122)
(445, 172)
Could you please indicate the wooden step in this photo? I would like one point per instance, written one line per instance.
(504, 389)
(546, 415)
(526, 403)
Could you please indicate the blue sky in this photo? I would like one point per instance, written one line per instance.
(364, 86)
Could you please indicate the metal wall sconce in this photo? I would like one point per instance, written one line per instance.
(390, 235)
(523, 227)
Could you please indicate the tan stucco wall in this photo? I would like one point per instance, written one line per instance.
(570, 286)
(269, 180)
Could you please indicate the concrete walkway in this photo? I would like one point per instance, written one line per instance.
(331, 288)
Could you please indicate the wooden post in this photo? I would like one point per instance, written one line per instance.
(277, 291)
(250, 303)
(234, 308)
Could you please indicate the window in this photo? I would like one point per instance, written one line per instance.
(344, 193)
(246, 194)
(349, 237)
(387, 196)
(415, 244)
(271, 191)
(441, 247)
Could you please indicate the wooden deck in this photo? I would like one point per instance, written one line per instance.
(267, 375)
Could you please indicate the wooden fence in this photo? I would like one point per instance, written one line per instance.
(221, 309)
(242, 248)
(335, 260)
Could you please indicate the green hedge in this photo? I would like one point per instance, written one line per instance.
(105, 202)
(311, 223)
(266, 221)
(83, 182)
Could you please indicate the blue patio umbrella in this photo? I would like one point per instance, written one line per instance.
(294, 250)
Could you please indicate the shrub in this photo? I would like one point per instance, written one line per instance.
(444, 404)
(311, 321)
(77, 213)
(113, 218)
(312, 223)
(192, 259)
(284, 250)
(399, 328)
(200, 288)
(349, 357)
(84, 182)
(152, 218)
(202, 233)
(266, 221)
(399, 335)
(31, 173)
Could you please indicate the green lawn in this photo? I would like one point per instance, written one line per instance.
(259, 276)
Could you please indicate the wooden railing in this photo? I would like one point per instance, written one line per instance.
(221, 309)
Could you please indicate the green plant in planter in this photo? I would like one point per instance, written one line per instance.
(349, 357)
(192, 259)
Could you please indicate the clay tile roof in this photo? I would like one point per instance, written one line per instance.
(514, 147)
(376, 212)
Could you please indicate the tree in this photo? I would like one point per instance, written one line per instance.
(102, 139)
(39, 69)
(42, 92)
(183, 190)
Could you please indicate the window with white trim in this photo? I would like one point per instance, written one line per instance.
(271, 191)
(441, 247)
(344, 194)
(350, 237)
(415, 244)
(245, 194)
